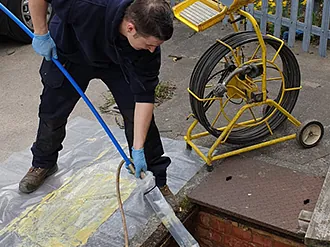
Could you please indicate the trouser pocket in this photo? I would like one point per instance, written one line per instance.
(51, 74)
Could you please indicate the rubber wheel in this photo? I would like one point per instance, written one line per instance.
(212, 57)
(310, 133)
(209, 168)
(188, 147)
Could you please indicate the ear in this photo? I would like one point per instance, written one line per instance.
(130, 28)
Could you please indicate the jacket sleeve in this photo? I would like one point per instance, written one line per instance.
(62, 8)
(145, 76)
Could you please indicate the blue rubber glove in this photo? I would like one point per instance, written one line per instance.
(139, 160)
(45, 46)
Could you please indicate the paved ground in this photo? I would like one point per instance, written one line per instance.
(20, 88)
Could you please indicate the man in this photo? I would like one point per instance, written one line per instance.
(117, 41)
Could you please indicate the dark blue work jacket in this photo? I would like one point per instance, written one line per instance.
(87, 31)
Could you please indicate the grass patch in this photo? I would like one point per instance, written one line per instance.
(164, 91)
(185, 204)
(109, 101)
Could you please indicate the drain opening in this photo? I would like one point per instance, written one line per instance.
(306, 201)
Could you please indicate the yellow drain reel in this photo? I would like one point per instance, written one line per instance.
(244, 86)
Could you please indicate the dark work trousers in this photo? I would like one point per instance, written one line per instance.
(59, 98)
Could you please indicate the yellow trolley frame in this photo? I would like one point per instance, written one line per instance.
(223, 10)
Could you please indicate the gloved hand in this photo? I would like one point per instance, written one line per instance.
(139, 160)
(45, 46)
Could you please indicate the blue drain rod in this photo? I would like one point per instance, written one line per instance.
(153, 194)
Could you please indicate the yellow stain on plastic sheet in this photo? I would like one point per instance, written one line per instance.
(103, 153)
(69, 215)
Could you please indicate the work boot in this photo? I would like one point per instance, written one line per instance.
(170, 198)
(35, 177)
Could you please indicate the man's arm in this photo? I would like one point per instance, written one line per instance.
(42, 42)
(147, 72)
(142, 119)
(38, 10)
(143, 81)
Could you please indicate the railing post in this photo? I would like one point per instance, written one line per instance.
(308, 25)
(251, 11)
(293, 22)
(278, 18)
(264, 16)
(324, 28)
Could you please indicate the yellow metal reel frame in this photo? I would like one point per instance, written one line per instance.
(210, 157)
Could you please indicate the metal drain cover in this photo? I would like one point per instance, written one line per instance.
(255, 191)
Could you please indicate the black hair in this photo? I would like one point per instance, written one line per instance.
(151, 18)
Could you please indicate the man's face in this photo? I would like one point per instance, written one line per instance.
(139, 42)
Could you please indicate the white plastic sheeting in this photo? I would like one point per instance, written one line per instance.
(77, 206)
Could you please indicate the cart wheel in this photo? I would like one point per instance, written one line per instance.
(310, 133)
(209, 168)
(188, 147)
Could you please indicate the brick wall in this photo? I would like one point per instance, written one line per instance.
(213, 231)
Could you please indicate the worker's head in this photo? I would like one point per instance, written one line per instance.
(148, 24)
